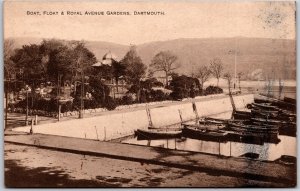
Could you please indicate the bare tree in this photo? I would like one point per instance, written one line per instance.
(203, 73)
(216, 67)
(164, 61)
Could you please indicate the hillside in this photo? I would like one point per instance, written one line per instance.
(274, 58)
(266, 54)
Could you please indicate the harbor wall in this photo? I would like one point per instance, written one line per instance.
(119, 124)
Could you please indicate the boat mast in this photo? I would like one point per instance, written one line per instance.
(235, 52)
(149, 116)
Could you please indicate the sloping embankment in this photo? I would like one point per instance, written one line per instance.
(113, 125)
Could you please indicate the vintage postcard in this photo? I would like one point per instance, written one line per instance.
(149, 94)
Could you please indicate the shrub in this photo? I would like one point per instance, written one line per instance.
(126, 100)
(183, 87)
(110, 103)
(157, 95)
(213, 90)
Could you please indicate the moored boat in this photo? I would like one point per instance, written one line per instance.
(155, 134)
(287, 105)
(253, 128)
(264, 113)
(252, 137)
(265, 106)
(241, 115)
(290, 100)
(269, 121)
(204, 134)
(214, 122)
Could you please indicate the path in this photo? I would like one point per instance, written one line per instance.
(211, 164)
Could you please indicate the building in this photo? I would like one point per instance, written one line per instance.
(116, 90)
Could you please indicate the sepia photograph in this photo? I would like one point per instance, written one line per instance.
(140, 94)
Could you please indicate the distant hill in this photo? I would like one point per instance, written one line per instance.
(276, 58)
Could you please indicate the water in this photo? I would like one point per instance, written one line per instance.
(267, 151)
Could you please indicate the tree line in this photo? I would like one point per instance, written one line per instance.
(67, 62)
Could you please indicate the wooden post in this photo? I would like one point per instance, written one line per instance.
(6, 105)
(26, 118)
(36, 120)
(175, 144)
(195, 110)
(59, 110)
(31, 128)
(104, 133)
(97, 133)
(81, 96)
(230, 147)
(180, 115)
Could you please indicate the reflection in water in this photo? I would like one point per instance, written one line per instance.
(266, 151)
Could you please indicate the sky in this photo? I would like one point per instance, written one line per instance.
(180, 20)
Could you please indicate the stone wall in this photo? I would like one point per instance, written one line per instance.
(119, 124)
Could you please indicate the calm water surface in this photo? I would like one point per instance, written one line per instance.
(267, 151)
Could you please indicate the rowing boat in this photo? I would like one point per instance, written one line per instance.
(204, 134)
(155, 134)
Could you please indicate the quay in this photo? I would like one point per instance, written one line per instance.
(200, 162)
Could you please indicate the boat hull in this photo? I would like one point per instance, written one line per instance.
(201, 134)
(153, 135)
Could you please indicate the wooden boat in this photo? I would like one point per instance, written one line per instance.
(241, 115)
(287, 160)
(287, 113)
(263, 124)
(269, 121)
(264, 113)
(287, 105)
(204, 134)
(265, 106)
(253, 128)
(290, 100)
(215, 122)
(289, 129)
(252, 138)
(223, 123)
(202, 126)
(265, 100)
(154, 134)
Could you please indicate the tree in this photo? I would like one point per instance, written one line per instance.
(216, 67)
(68, 59)
(203, 73)
(83, 57)
(164, 61)
(135, 69)
(60, 64)
(117, 70)
(29, 59)
(9, 65)
(99, 91)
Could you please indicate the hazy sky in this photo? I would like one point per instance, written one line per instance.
(180, 20)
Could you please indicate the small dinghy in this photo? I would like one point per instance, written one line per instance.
(155, 134)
